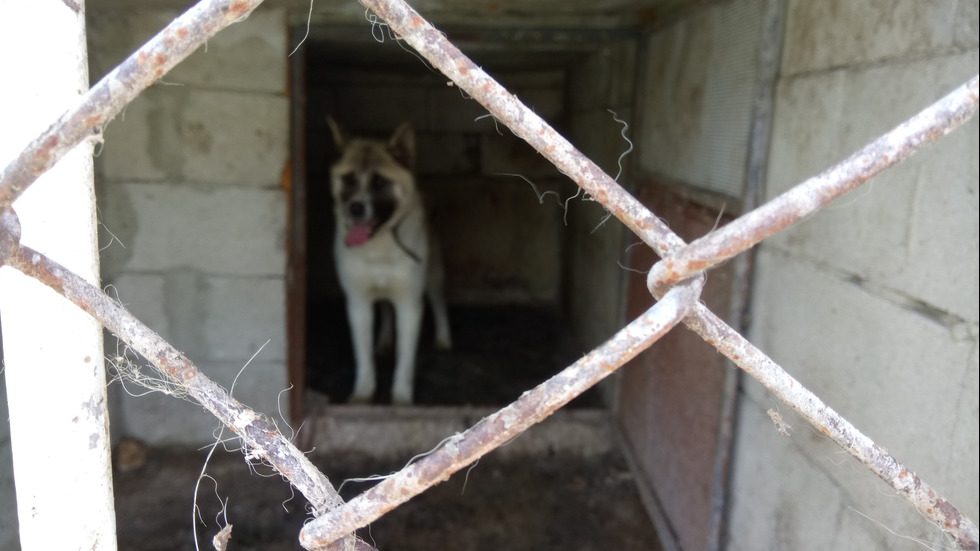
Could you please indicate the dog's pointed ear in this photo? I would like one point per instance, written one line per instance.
(402, 145)
(339, 134)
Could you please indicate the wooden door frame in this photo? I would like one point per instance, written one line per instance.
(296, 239)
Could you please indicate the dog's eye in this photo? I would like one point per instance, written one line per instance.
(379, 183)
(349, 181)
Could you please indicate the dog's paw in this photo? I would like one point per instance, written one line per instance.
(361, 395)
(399, 397)
(443, 341)
(401, 402)
(444, 344)
(359, 400)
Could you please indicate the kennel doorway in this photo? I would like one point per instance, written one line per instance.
(504, 248)
(564, 291)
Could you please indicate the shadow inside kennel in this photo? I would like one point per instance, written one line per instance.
(498, 353)
(488, 197)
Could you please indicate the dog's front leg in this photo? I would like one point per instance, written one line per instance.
(360, 314)
(408, 317)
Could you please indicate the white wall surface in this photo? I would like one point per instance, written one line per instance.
(872, 303)
(189, 187)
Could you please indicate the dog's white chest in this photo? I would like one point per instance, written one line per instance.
(380, 269)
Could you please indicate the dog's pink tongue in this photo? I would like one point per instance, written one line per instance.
(358, 234)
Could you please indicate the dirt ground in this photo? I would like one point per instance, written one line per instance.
(537, 503)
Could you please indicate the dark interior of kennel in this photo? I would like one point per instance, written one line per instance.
(503, 247)
(532, 285)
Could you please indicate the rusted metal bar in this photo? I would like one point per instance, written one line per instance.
(434, 46)
(108, 97)
(532, 407)
(754, 362)
(806, 198)
(260, 436)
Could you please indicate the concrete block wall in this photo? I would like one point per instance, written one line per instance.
(194, 217)
(872, 303)
(596, 249)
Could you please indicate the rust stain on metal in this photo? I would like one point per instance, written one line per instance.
(238, 9)
(45, 153)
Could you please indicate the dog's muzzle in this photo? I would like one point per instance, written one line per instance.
(362, 229)
(357, 210)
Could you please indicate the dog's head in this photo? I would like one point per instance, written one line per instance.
(372, 182)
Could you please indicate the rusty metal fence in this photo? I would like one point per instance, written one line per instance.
(675, 281)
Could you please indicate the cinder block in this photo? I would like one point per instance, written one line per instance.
(961, 484)
(220, 231)
(113, 35)
(780, 499)
(234, 138)
(161, 419)
(214, 137)
(907, 229)
(806, 128)
(821, 35)
(242, 314)
(967, 24)
(138, 142)
(143, 295)
(773, 468)
(878, 361)
(248, 56)
(258, 385)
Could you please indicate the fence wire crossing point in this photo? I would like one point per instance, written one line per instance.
(499, 428)
(806, 198)
(336, 520)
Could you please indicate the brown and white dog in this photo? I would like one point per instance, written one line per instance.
(384, 252)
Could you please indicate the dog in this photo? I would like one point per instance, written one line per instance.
(384, 251)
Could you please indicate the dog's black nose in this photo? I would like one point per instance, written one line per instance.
(357, 210)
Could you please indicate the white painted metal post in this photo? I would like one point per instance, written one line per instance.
(52, 350)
